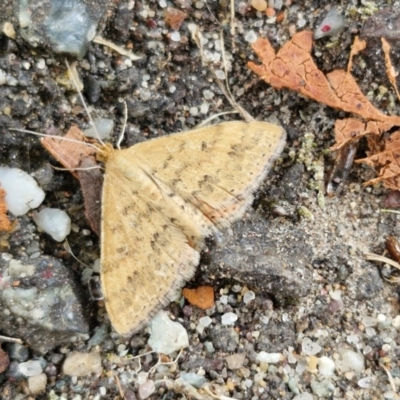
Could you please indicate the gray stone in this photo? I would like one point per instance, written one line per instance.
(40, 302)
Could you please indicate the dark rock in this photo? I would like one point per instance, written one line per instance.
(383, 24)
(224, 338)
(274, 266)
(17, 352)
(92, 89)
(276, 337)
(63, 26)
(40, 302)
(369, 284)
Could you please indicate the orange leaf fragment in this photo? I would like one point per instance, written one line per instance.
(201, 297)
(174, 17)
(293, 68)
(5, 223)
(357, 46)
(390, 70)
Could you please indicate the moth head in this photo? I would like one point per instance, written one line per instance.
(104, 152)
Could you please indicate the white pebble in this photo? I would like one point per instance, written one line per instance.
(81, 364)
(167, 336)
(199, 5)
(368, 321)
(350, 361)
(208, 94)
(326, 366)
(104, 128)
(175, 36)
(396, 322)
(147, 389)
(162, 3)
(223, 299)
(54, 222)
(248, 297)
(194, 111)
(365, 383)
(37, 384)
(309, 347)
(250, 36)
(22, 191)
(41, 64)
(204, 108)
(229, 318)
(331, 25)
(203, 323)
(220, 74)
(30, 368)
(269, 358)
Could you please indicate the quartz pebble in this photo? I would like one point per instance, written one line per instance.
(326, 366)
(37, 384)
(167, 336)
(103, 128)
(203, 323)
(309, 347)
(147, 389)
(229, 318)
(30, 368)
(22, 191)
(81, 364)
(248, 297)
(269, 358)
(350, 361)
(259, 5)
(54, 222)
(235, 361)
(193, 379)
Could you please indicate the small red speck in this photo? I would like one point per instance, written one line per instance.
(47, 274)
(326, 28)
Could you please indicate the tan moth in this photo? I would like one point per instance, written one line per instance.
(162, 197)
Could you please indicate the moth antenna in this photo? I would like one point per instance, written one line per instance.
(52, 136)
(225, 90)
(233, 23)
(72, 77)
(209, 119)
(229, 95)
(121, 135)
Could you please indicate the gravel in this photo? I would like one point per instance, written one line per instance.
(299, 314)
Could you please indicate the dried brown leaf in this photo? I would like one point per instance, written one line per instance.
(69, 154)
(74, 155)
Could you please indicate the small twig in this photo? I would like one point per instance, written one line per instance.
(118, 49)
(10, 339)
(391, 381)
(377, 257)
(121, 392)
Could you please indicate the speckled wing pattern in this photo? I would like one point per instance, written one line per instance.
(162, 197)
